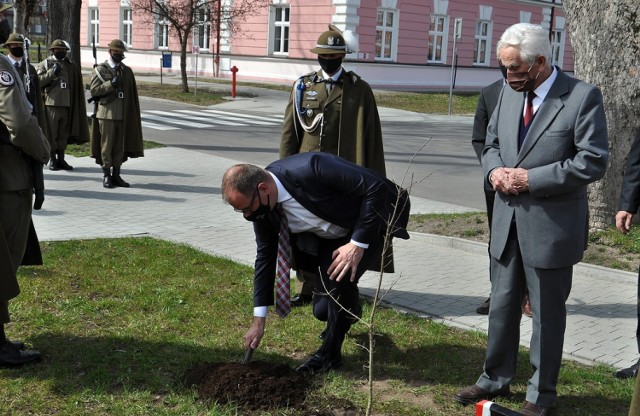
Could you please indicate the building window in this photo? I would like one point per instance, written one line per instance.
(438, 39)
(162, 34)
(94, 26)
(280, 30)
(127, 27)
(202, 35)
(386, 35)
(482, 52)
(557, 47)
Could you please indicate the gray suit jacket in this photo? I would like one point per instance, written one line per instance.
(566, 148)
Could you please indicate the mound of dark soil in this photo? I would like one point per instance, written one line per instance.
(255, 386)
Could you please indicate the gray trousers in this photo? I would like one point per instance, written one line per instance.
(548, 292)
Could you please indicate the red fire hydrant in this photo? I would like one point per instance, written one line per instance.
(234, 69)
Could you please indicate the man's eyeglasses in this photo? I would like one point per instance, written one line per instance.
(248, 209)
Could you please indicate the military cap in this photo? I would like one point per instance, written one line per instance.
(330, 42)
(13, 39)
(58, 43)
(5, 6)
(117, 45)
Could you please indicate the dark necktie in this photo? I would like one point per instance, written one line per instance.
(283, 292)
(17, 65)
(528, 111)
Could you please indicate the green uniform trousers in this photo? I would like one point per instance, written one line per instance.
(59, 123)
(111, 142)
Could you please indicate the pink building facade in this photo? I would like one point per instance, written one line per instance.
(403, 44)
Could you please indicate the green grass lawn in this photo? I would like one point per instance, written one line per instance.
(119, 322)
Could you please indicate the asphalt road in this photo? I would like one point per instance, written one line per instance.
(432, 153)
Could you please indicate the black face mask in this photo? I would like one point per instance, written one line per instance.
(60, 55)
(260, 212)
(521, 81)
(329, 66)
(117, 57)
(17, 52)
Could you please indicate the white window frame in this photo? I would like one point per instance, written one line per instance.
(279, 30)
(442, 36)
(127, 26)
(162, 34)
(94, 25)
(557, 46)
(386, 35)
(202, 30)
(482, 49)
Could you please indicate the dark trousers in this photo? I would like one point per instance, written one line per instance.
(345, 293)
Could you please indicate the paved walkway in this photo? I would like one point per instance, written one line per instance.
(175, 196)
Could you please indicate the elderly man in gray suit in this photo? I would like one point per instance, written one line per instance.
(546, 141)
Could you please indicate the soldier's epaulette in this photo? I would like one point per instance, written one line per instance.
(353, 76)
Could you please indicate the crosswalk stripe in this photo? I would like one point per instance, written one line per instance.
(211, 120)
(167, 120)
(155, 126)
(251, 118)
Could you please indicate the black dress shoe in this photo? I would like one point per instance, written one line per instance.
(473, 394)
(530, 409)
(11, 356)
(630, 372)
(53, 165)
(301, 300)
(483, 308)
(107, 182)
(319, 363)
(18, 344)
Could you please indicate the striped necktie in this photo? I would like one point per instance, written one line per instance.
(283, 292)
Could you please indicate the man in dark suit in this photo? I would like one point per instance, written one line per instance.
(539, 158)
(486, 104)
(338, 216)
(628, 205)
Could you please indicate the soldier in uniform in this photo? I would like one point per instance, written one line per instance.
(17, 47)
(332, 110)
(22, 144)
(63, 91)
(114, 84)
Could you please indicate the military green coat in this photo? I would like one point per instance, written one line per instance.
(117, 104)
(65, 90)
(347, 123)
(20, 136)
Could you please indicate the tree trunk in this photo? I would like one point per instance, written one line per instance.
(604, 39)
(64, 23)
(183, 63)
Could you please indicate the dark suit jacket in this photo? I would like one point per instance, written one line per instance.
(630, 192)
(337, 191)
(486, 104)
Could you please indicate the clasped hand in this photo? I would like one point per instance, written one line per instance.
(512, 181)
(345, 262)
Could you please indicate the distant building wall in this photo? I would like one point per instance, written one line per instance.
(403, 44)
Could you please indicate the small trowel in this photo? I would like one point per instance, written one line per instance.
(247, 356)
